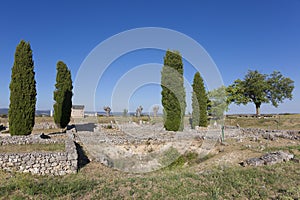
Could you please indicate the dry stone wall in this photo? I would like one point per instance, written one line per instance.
(232, 131)
(41, 163)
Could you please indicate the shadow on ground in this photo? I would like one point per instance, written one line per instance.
(85, 127)
(83, 160)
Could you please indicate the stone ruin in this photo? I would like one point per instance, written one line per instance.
(268, 159)
(131, 147)
(138, 147)
(40, 163)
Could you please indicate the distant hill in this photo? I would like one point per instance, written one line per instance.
(43, 112)
(4, 111)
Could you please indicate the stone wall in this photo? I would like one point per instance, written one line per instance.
(6, 139)
(44, 125)
(233, 131)
(41, 163)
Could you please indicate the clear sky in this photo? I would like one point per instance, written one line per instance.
(238, 35)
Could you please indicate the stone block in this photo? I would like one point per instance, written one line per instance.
(37, 165)
(52, 159)
(72, 156)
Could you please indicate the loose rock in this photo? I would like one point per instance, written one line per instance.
(268, 159)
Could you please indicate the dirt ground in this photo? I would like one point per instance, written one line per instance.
(234, 152)
(228, 154)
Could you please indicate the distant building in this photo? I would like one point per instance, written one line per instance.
(77, 111)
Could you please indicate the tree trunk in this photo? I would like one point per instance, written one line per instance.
(257, 105)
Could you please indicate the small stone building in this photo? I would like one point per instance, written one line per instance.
(77, 111)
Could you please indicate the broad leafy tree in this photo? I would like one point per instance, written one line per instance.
(261, 88)
(173, 91)
(22, 92)
(125, 112)
(155, 110)
(138, 111)
(218, 102)
(199, 102)
(107, 110)
(63, 95)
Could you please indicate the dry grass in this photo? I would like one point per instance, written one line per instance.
(3, 120)
(281, 122)
(47, 131)
(218, 176)
(105, 119)
(57, 147)
(43, 119)
(98, 182)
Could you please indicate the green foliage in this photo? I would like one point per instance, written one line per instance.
(22, 92)
(169, 156)
(63, 95)
(188, 158)
(218, 103)
(261, 88)
(125, 112)
(108, 126)
(280, 88)
(199, 102)
(173, 91)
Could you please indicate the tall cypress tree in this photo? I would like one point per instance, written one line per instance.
(199, 102)
(173, 91)
(62, 95)
(22, 92)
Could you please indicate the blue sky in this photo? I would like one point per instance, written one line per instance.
(238, 35)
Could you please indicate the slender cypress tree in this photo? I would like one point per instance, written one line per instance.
(62, 95)
(22, 92)
(173, 91)
(199, 102)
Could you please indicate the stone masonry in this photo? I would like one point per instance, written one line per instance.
(41, 163)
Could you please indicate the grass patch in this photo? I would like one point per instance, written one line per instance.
(188, 158)
(142, 118)
(230, 183)
(281, 122)
(25, 186)
(206, 157)
(105, 119)
(280, 181)
(113, 119)
(3, 120)
(56, 147)
(283, 148)
(169, 156)
(43, 119)
(47, 131)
